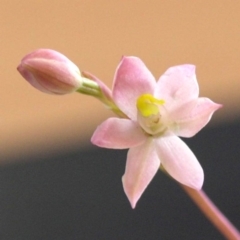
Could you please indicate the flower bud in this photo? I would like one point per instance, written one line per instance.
(50, 72)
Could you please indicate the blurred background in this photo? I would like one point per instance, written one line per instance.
(53, 183)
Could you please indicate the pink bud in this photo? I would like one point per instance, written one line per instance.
(50, 72)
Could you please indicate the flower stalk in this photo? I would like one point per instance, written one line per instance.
(92, 88)
(96, 88)
(212, 213)
(89, 87)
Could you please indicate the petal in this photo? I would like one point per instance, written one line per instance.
(118, 134)
(179, 161)
(132, 79)
(142, 165)
(31, 79)
(193, 121)
(178, 85)
(49, 54)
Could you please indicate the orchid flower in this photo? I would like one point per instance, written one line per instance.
(158, 113)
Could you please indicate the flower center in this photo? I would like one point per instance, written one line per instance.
(149, 116)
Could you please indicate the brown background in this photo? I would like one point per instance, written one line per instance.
(95, 34)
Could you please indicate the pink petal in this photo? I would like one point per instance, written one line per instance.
(31, 79)
(177, 86)
(118, 134)
(197, 117)
(142, 164)
(179, 161)
(132, 79)
(50, 55)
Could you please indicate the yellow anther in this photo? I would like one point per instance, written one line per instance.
(148, 105)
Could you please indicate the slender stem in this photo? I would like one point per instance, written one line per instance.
(213, 213)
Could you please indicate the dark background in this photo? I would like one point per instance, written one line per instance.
(79, 195)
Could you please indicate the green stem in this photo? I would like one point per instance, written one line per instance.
(89, 87)
(213, 213)
(92, 88)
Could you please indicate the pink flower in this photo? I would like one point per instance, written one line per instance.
(158, 112)
(50, 72)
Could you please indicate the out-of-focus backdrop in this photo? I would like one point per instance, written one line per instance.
(53, 185)
(94, 35)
